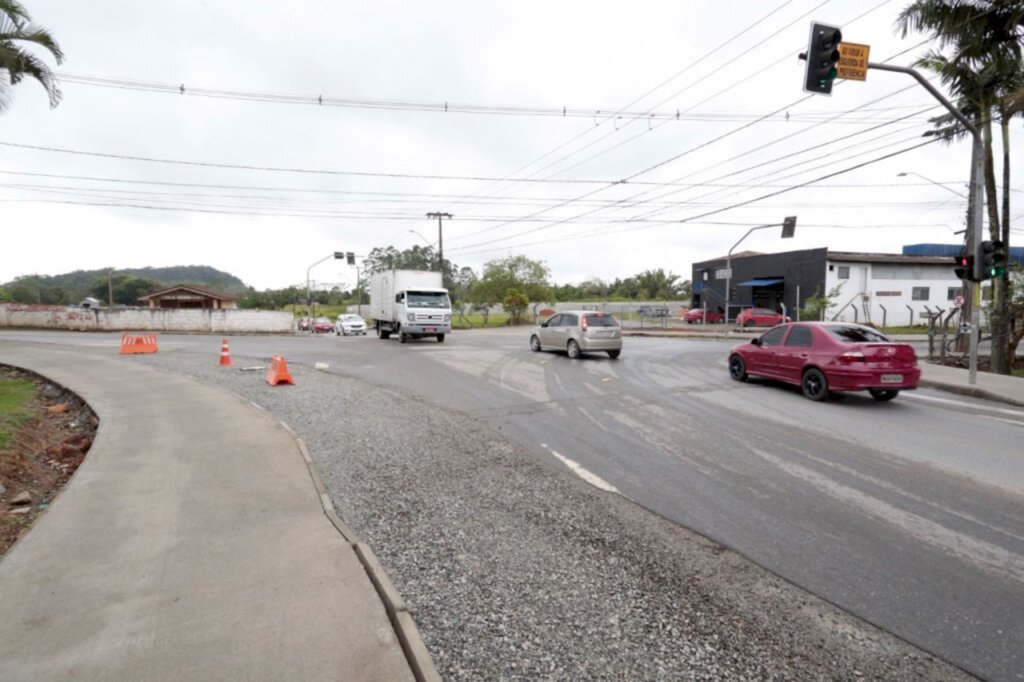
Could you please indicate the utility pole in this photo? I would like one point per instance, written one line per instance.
(440, 240)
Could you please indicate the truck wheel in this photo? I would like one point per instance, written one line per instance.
(402, 337)
(440, 338)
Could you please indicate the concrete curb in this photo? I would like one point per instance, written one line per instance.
(971, 391)
(420, 662)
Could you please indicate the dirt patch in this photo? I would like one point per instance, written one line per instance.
(42, 454)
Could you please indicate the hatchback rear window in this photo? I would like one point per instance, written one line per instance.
(601, 320)
(850, 334)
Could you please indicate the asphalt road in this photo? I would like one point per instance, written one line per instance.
(909, 514)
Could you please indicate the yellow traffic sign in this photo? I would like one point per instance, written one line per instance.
(853, 61)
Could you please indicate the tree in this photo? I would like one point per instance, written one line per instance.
(16, 33)
(815, 306)
(983, 72)
(127, 289)
(515, 303)
(514, 273)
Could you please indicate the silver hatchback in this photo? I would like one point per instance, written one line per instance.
(577, 332)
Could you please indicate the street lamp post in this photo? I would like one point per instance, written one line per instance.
(338, 255)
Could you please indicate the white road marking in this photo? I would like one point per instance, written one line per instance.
(960, 403)
(592, 479)
(985, 555)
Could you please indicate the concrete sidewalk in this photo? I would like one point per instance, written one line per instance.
(1000, 387)
(190, 545)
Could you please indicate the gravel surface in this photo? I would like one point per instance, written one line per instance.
(518, 570)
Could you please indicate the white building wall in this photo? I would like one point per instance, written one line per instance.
(145, 319)
(872, 286)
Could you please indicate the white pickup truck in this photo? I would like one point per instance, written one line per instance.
(410, 303)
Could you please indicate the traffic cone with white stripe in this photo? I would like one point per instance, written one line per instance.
(225, 354)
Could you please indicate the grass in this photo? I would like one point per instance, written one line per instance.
(15, 395)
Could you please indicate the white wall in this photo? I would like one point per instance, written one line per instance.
(145, 319)
(890, 285)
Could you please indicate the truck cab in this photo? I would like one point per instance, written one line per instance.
(423, 312)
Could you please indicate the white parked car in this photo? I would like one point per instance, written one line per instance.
(350, 324)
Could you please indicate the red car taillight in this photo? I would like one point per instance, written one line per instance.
(584, 324)
(850, 357)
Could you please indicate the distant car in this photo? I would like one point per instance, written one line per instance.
(322, 325)
(305, 324)
(760, 317)
(699, 316)
(350, 324)
(821, 357)
(577, 332)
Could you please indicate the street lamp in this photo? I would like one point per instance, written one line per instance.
(337, 255)
(906, 173)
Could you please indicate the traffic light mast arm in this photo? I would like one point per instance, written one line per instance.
(975, 202)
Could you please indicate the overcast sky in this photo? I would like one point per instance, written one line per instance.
(696, 105)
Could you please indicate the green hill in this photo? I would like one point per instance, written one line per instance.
(72, 287)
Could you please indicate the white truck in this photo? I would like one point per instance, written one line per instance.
(410, 303)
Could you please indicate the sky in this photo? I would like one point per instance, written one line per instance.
(600, 139)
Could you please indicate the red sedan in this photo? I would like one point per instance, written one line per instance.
(820, 357)
(760, 317)
(699, 316)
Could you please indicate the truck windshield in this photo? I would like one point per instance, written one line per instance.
(427, 299)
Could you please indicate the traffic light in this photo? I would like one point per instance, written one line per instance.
(788, 226)
(822, 57)
(350, 258)
(993, 259)
(964, 268)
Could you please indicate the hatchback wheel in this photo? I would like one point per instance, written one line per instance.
(814, 384)
(440, 338)
(883, 394)
(614, 354)
(573, 349)
(534, 344)
(737, 368)
(748, 323)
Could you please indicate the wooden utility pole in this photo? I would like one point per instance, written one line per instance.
(440, 240)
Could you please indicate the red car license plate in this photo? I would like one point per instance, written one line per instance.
(431, 330)
(892, 378)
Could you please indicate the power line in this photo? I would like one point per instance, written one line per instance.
(694, 218)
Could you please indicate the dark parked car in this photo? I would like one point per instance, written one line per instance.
(699, 316)
(760, 317)
(820, 357)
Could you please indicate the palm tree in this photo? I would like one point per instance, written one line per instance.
(984, 74)
(16, 30)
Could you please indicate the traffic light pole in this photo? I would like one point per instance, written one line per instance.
(788, 225)
(975, 206)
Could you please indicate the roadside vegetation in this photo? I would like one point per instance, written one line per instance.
(15, 399)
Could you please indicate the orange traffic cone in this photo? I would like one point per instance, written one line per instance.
(278, 372)
(225, 354)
